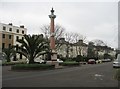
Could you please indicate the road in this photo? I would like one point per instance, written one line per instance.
(96, 75)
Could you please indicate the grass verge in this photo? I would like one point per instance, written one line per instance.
(70, 63)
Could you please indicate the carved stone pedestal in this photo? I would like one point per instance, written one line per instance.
(54, 59)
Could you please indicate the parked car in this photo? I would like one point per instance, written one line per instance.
(83, 63)
(91, 61)
(98, 61)
(106, 60)
(2, 57)
(60, 61)
(116, 63)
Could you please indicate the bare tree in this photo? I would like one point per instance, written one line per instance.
(73, 38)
(78, 37)
(69, 37)
(69, 40)
(90, 51)
(59, 32)
(98, 42)
(46, 31)
(83, 39)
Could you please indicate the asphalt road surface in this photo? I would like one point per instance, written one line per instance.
(96, 75)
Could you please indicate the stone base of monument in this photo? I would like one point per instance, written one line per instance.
(57, 66)
(53, 60)
(55, 63)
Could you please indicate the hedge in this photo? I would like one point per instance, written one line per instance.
(70, 63)
(32, 67)
(11, 63)
(117, 75)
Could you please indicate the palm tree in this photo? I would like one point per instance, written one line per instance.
(32, 47)
(9, 53)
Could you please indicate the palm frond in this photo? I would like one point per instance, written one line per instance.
(32, 46)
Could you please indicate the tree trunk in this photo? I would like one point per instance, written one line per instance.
(14, 58)
(31, 60)
(8, 59)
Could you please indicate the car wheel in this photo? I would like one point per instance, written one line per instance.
(114, 67)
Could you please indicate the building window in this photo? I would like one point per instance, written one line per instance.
(9, 45)
(3, 35)
(17, 37)
(22, 32)
(3, 45)
(4, 28)
(17, 31)
(10, 29)
(10, 36)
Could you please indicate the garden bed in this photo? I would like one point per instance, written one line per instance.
(32, 67)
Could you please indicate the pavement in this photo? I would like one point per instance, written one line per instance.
(90, 75)
(0, 74)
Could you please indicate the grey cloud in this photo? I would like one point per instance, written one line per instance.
(92, 19)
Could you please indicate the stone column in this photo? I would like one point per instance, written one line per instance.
(52, 39)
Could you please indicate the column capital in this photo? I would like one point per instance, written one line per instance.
(52, 14)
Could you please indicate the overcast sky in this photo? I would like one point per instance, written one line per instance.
(95, 20)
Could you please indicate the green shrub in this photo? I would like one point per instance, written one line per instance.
(79, 58)
(32, 67)
(117, 75)
(11, 63)
(63, 58)
(70, 63)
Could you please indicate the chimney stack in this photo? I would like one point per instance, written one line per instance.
(62, 39)
(81, 42)
(10, 24)
(22, 26)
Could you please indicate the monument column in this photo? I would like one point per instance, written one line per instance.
(52, 39)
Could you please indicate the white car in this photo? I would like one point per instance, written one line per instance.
(106, 60)
(50, 61)
(116, 62)
(59, 61)
(99, 61)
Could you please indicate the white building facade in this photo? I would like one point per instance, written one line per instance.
(9, 35)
